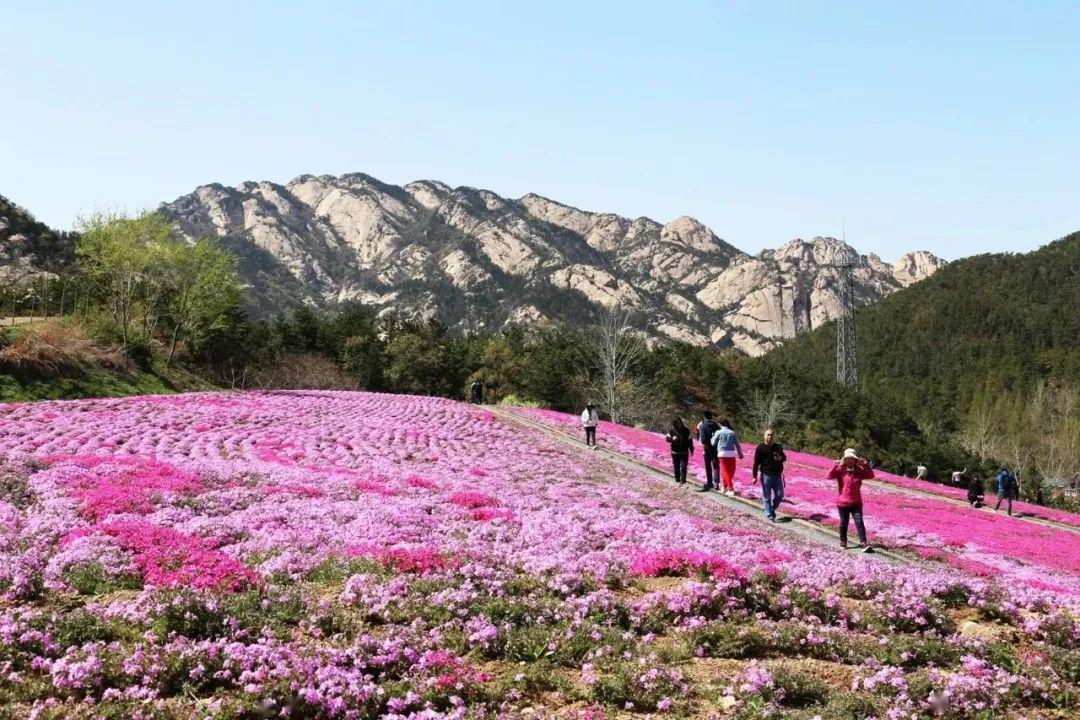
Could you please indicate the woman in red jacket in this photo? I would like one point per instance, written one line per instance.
(849, 474)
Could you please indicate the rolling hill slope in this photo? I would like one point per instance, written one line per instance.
(983, 354)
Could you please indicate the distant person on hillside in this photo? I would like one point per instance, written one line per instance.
(920, 472)
(849, 474)
(728, 448)
(958, 477)
(476, 393)
(706, 428)
(681, 441)
(769, 459)
(589, 420)
(975, 493)
(1008, 489)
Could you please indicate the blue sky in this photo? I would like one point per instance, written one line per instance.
(955, 129)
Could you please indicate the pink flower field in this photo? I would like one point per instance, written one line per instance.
(993, 545)
(354, 555)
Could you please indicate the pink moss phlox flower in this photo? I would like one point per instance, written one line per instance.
(486, 514)
(169, 558)
(677, 562)
(472, 500)
(375, 485)
(108, 485)
(307, 491)
(402, 559)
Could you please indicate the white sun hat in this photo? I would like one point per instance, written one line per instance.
(850, 453)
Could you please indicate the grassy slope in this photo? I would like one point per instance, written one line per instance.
(82, 382)
(58, 361)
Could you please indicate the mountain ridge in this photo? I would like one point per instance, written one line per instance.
(478, 260)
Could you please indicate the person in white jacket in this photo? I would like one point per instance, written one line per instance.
(728, 448)
(589, 420)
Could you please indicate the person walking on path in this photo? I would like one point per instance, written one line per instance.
(589, 420)
(920, 472)
(769, 459)
(681, 441)
(849, 474)
(975, 493)
(1008, 489)
(728, 448)
(476, 393)
(706, 428)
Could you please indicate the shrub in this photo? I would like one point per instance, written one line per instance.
(850, 706)
(15, 487)
(306, 371)
(91, 578)
(338, 569)
(517, 401)
(799, 689)
(56, 344)
(635, 685)
(531, 643)
(730, 640)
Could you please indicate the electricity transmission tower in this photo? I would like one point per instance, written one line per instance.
(847, 353)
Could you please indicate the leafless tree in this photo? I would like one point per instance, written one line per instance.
(979, 433)
(618, 350)
(769, 409)
(1019, 453)
(1059, 438)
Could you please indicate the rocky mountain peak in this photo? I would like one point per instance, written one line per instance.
(694, 235)
(479, 260)
(915, 266)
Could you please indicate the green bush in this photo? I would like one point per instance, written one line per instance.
(89, 578)
(799, 689)
(730, 640)
(518, 401)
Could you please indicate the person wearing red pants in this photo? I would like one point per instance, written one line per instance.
(728, 448)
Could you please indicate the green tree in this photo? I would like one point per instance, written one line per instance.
(117, 253)
(555, 368)
(501, 365)
(201, 289)
(363, 357)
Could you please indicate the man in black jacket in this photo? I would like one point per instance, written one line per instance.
(769, 459)
(705, 430)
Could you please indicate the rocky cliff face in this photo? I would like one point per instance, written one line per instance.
(29, 250)
(479, 261)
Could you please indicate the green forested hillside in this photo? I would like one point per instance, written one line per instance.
(984, 353)
(44, 246)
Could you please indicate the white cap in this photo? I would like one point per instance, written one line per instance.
(850, 453)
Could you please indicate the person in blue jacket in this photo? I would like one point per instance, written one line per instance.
(1008, 489)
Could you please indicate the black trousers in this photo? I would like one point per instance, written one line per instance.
(1007, 497)
(851, 513)
(590, 436)
(712, 470)
(680, 461)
